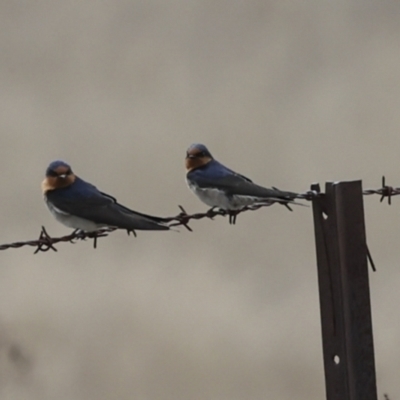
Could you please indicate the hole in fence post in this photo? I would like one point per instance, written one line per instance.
(336, 359)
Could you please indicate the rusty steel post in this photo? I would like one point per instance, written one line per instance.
(344, 292)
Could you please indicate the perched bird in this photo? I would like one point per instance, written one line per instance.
(81, 206)
(218, 186)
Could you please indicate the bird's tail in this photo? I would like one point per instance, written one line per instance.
(286, 198)
(144, 221)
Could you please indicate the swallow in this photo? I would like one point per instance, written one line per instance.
(81, 206)
(220, 187)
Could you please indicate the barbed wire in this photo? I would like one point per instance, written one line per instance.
(45, 242)
(384, 191)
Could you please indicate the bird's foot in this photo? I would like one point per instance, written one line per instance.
(129, 232)
(232, 216)
(79, 234)
(213, 211)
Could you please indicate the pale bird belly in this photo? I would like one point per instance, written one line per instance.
(217, 198)
(72, 221)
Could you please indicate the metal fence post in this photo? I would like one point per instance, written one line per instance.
(344, 292)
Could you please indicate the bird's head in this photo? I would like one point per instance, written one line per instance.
(58, 175)
(197, 155)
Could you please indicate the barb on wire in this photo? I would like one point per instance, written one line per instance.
(384, 191)
(45, 242)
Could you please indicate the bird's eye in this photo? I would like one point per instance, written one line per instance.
(53, 173)
(199, 155)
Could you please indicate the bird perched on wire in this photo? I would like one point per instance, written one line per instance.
(218, 186)
(81, 206)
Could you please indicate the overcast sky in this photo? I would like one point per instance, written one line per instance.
(287, 93)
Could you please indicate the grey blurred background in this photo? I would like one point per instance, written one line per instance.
(287, 93)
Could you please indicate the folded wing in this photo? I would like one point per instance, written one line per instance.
(235, 184)
(104, 209)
